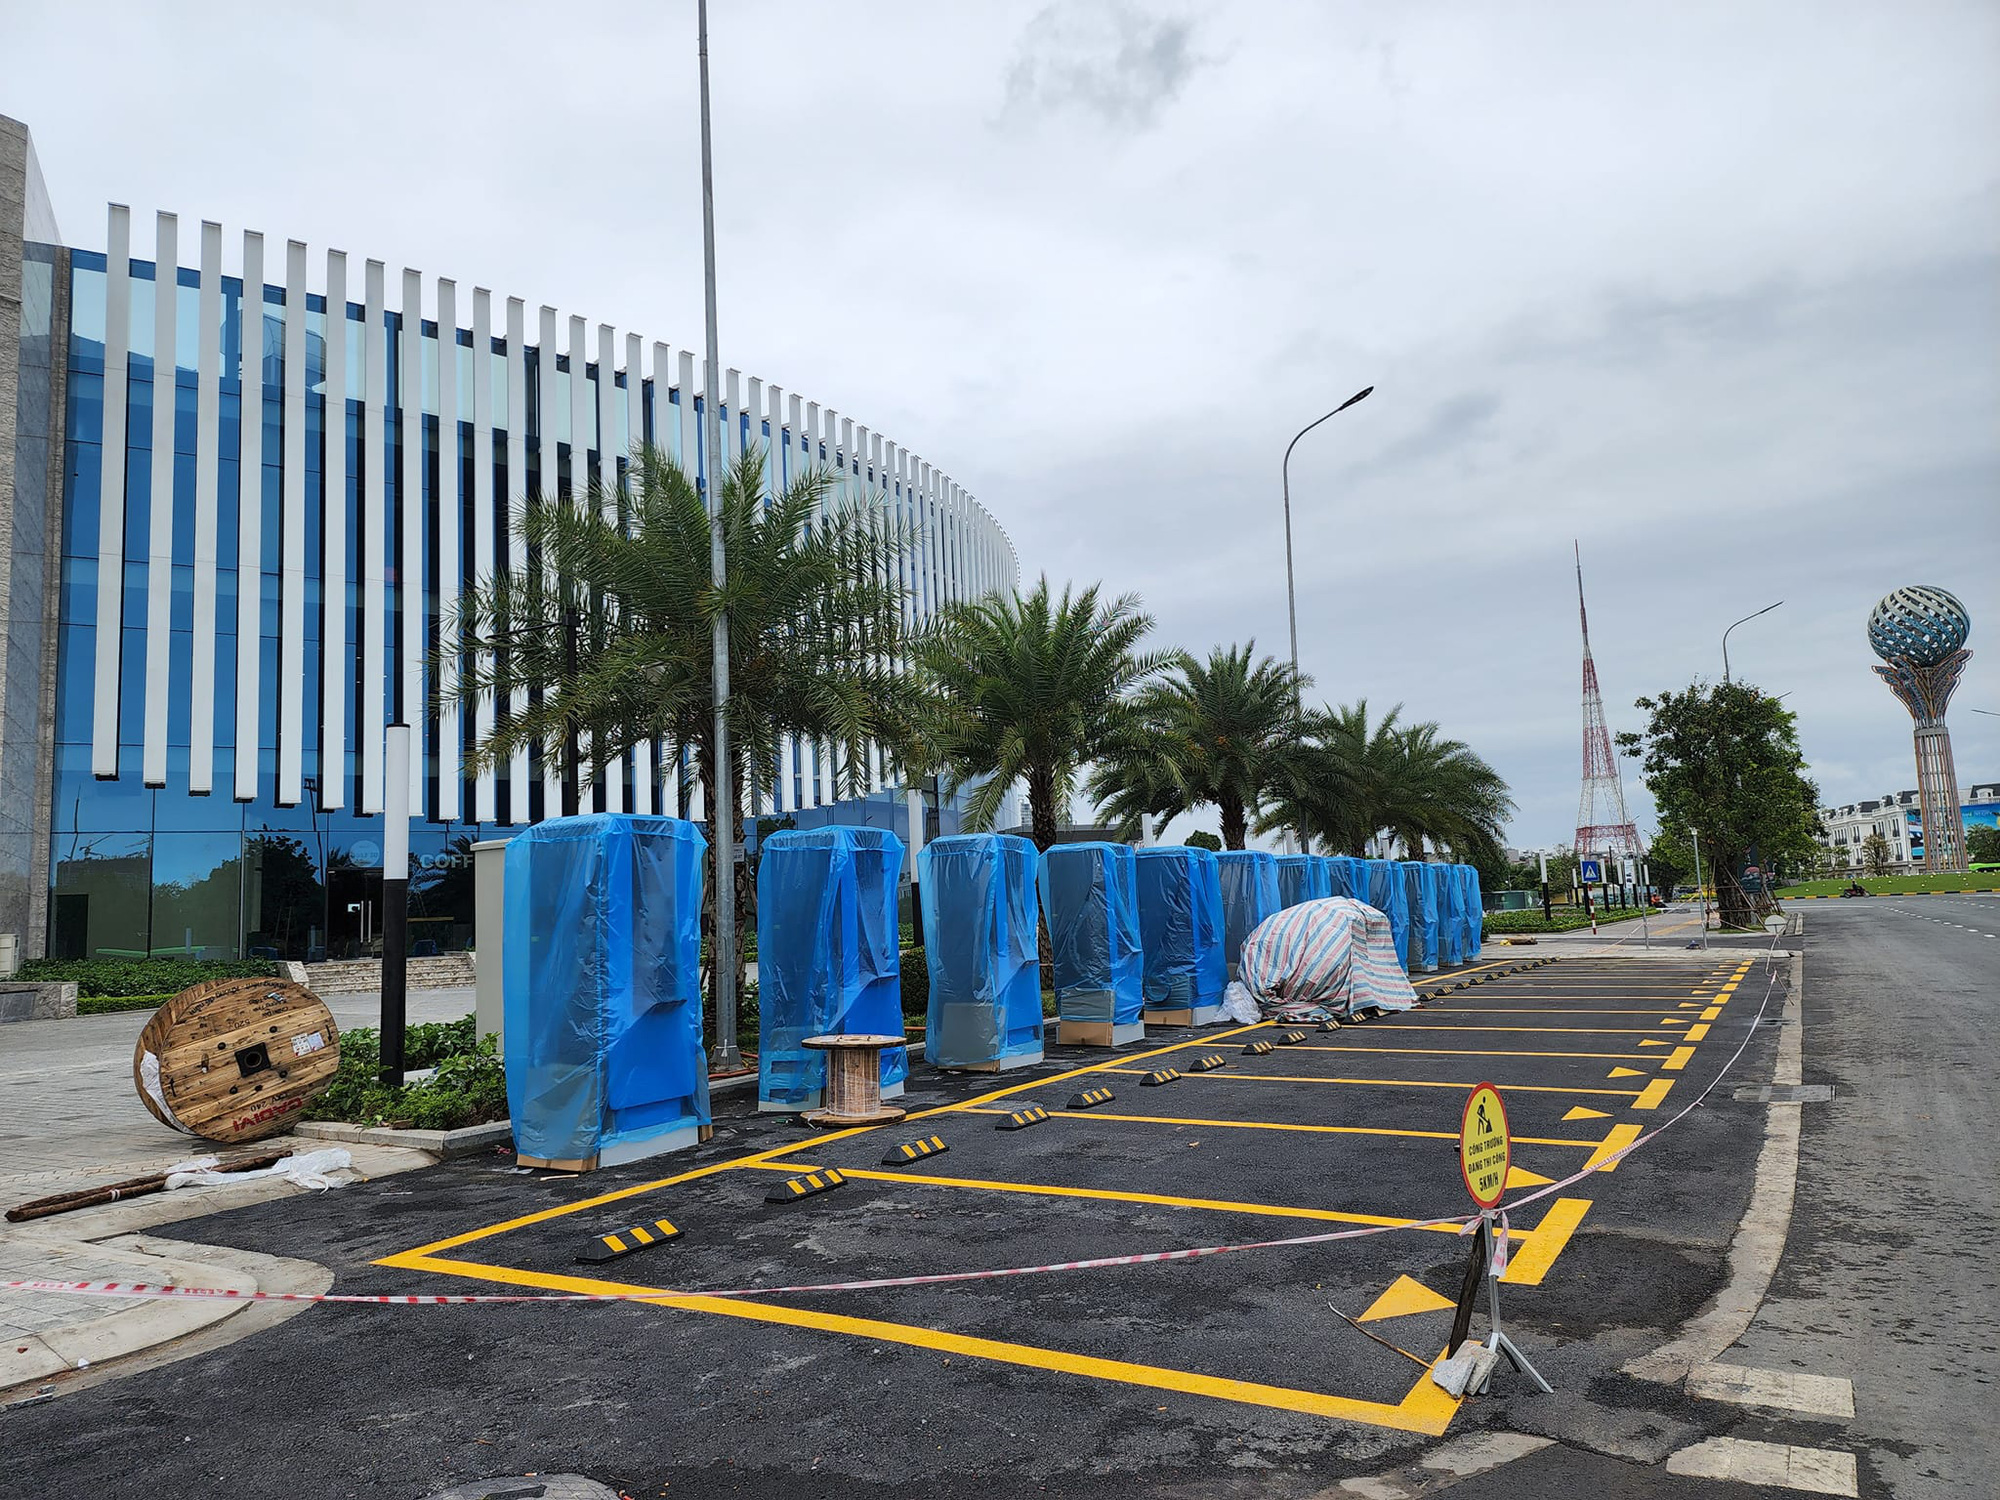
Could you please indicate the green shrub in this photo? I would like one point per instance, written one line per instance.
(100, 1005)
(916, 983)
(468, 1088)
(1566, 919)
(140, 976)
(1202, 839)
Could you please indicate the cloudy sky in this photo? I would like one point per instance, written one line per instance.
(1713, 289)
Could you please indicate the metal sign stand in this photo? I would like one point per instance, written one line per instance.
(1498, 1342)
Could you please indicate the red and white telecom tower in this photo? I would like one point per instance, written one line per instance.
(1602, 824)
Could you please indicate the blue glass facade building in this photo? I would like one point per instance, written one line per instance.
(210, 757)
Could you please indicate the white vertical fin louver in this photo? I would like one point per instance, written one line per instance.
(336, 656)
(207, 469)
(250, 526)
(160, 502)
(291, 684)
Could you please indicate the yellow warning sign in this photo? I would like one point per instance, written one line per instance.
(1482, 1145)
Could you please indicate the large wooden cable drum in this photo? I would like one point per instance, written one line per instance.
(234, 1059)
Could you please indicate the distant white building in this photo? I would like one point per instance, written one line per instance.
(1899, 819)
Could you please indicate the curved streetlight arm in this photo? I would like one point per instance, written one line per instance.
(1291, 597)
(1291, 592)
(1744, 621)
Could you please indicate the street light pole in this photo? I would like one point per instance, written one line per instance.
(1700, 889)
(721, 816)
(1291, 592)
(1744, 621)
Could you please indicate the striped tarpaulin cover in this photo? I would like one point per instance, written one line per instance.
(1336, 953)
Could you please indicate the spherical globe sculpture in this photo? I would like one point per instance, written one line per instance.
(1920, 624)
(1920, 633)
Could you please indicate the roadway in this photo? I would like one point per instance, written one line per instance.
(1232, 1375)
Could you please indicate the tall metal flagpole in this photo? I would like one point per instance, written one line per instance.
(721, 816)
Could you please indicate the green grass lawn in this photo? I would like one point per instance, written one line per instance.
(1897, 885)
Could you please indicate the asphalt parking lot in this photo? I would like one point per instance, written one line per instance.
(1231, 1373)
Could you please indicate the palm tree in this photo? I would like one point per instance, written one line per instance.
(1350, 783)
(1330, 783)
(1031, 687)
(606, 637)
(1214, 732)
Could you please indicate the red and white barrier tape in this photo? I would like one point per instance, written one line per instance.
(1463, 1222)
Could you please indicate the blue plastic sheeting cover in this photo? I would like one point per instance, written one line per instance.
(1180, 926)
(1347, 877)
(1304, 877)
(1092, 908)
(1213, 962)
(829, 961)
(601, 983)
(979, 940)
(1386, 895)
(1420, 891)
(1475, 911)
(1451, 916)
(1249, 882)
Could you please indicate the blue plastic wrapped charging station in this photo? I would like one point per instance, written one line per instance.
(1249, 882)
(1475, 910)
(980, 921)
(1181, 930)
(1303, 877)
(1347, 877)
(1451, 916)
(1420, 892)
(829, 959)
(601, 984)
(1089, 899)
(1386, 895)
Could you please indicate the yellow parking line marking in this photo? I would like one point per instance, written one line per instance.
(471, 1236)
(1451, 1017)
(1550, 1236)
(1163, 1200)
(1711, 1013)
(1374, 1026)
(1098, 1114)
(1580, 1113)
(1426, 1410)
(1697, 1033)
(1678, 1061)
(1446, 1052)
(1620, 1137)
(1402, 1083)
(1651, 1095)
(1624, 1073)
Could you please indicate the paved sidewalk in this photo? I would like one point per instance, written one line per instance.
(70, 1116)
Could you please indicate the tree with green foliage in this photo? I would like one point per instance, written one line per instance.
(1723, 760)
(1349, 782)
(605, 643)
(1032, 687)
(1201, 838)
(1670, 860)
(1207, 733)
(1982, 846)
(1875, 854)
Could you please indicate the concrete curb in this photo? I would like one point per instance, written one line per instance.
(450, 1145)
(28, 1358)
(445, 1145)
(1759, 1241)
(110, 1232)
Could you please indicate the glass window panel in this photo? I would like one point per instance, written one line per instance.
(101, 886)
(139, 336)
(198, 888)
(76, 674)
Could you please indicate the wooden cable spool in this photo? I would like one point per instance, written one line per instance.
(853, 1080)
(235, 1059)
